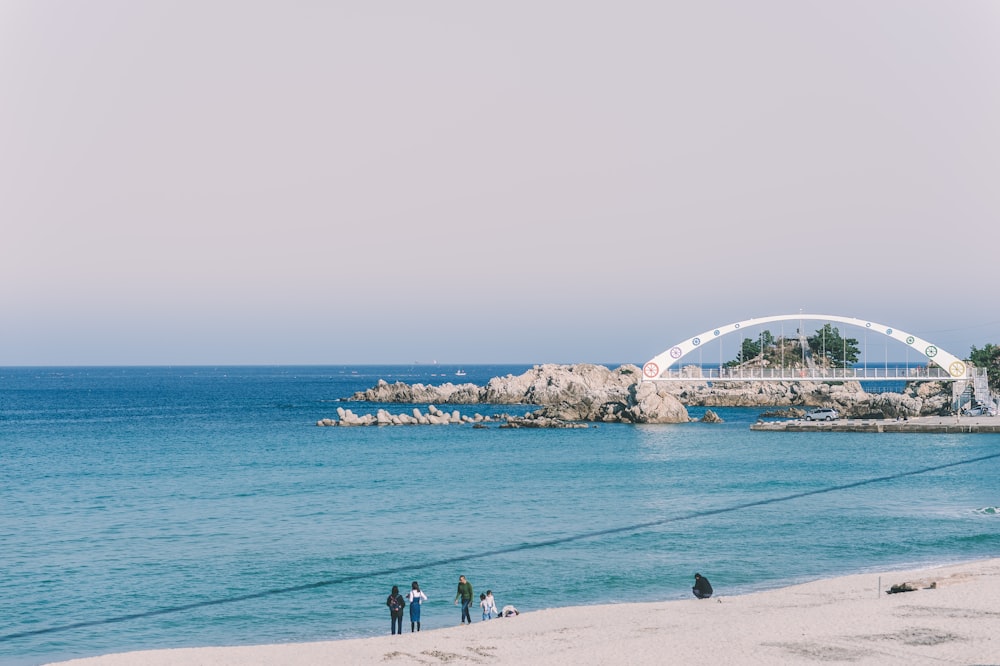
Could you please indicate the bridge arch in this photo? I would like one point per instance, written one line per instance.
(656, 367)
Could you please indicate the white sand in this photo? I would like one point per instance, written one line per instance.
(843, 620)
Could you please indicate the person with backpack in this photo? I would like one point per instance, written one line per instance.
(396, 602)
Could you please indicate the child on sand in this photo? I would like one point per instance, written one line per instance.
(490, 609)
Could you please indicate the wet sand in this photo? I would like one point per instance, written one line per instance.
(952, 616)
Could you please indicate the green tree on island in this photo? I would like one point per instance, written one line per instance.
(751, 349)
(988, 357)
(827, 344)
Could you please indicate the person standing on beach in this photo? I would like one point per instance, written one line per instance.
(702, 588)
(488, 604)
(415, 597)
(396, 602)
(491, 606)
(465, 594)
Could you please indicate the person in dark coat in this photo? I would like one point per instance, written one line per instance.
(396, 602)
(702, 588)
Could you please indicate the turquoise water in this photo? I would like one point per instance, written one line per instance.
(140, 504)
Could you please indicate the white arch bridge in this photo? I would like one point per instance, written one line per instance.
(941, 365)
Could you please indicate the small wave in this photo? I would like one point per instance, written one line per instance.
(989, 510)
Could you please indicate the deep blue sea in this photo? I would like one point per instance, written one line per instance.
(153, 507)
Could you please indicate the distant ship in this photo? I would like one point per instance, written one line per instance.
(460, 373)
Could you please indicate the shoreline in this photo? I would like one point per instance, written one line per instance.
(951, 616)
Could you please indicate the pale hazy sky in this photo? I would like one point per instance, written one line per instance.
(205, 182)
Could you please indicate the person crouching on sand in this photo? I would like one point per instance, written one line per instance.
(702, 588)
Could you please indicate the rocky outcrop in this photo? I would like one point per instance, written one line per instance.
(552, 384)
(790, 413)
(597, 394)
(710, 417)
(450, 394)
(564, 393)
(849, 398)
(548, 384)
(651, 403)
(540, 422)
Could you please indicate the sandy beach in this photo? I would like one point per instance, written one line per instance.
(951, 617)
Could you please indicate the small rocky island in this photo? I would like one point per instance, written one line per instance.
(566, 395)
(574, 395)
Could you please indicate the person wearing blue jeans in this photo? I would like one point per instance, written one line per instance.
(465, 594)
(396, 602)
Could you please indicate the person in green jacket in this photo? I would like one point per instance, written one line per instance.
(465, 594)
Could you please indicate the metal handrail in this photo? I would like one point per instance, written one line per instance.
(697, 373)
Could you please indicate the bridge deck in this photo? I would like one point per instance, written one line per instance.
(696, 373)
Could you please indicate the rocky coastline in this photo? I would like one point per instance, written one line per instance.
(563, 395)
(570, 395)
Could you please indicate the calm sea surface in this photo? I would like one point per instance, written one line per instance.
(192, 506)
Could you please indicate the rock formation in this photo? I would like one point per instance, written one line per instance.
(566, 394)
(710, 417)
(849, 398)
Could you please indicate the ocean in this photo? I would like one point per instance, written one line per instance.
(155, 507)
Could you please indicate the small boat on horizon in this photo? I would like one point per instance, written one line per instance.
(460, 373)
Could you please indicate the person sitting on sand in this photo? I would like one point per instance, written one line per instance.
(702, 588)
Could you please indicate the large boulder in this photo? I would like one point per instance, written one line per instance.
(552, 384)
(652, 402)
(383, 391)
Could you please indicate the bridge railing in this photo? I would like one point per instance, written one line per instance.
(695, 373)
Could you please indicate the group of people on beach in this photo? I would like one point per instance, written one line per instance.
(415, 598)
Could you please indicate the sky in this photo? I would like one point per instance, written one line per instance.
(302, 182)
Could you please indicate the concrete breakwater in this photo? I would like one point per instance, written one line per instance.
(927, 424)
(433, 416)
